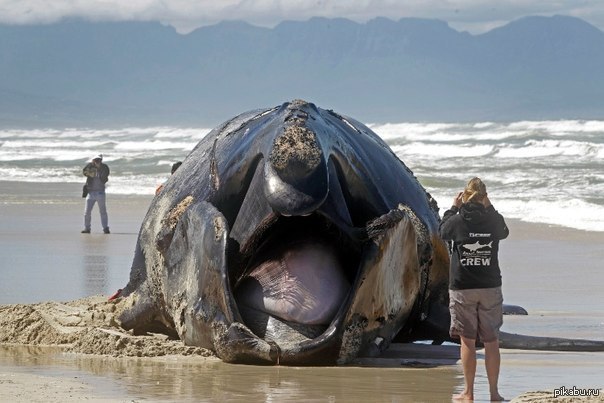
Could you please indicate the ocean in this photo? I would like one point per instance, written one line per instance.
(548, 172)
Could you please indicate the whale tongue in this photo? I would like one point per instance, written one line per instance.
(303, 284)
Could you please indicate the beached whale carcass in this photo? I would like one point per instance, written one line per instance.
(289, 235)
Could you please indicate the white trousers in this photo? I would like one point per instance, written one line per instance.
(91, 199)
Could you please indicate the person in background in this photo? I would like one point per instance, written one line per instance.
(175, 166)
(475, 228)
(97, 175)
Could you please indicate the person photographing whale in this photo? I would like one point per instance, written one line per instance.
(97, 175)
(474, 229)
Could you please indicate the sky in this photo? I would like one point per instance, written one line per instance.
(474, 16)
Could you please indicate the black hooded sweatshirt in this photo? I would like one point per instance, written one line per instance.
(475, 233)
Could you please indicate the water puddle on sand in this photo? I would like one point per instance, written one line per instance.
(200, 379)
(401, 375)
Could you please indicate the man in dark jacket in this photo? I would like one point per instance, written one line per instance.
(97, 175)
(474, 228)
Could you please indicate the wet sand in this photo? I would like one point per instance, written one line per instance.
(555, 273)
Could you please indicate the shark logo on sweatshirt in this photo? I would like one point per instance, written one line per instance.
(476, 254)
(477, 245)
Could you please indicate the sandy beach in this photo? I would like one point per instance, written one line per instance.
(59, 340)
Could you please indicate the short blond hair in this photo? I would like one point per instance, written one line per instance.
(475, 191)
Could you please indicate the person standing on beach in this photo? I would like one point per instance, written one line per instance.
(475, 228)
(97, 175)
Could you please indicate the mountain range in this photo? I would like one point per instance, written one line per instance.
(76, 73)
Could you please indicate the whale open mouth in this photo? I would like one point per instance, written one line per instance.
(297, 280)
(317, 292)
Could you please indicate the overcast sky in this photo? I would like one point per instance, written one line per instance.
(475, 16)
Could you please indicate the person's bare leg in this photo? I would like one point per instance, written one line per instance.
(468, 362)
(492, 363)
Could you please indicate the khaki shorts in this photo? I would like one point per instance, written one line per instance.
(476, 313)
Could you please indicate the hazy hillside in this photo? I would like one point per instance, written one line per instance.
(84, 73)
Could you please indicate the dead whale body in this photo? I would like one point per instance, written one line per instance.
(291, 235)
